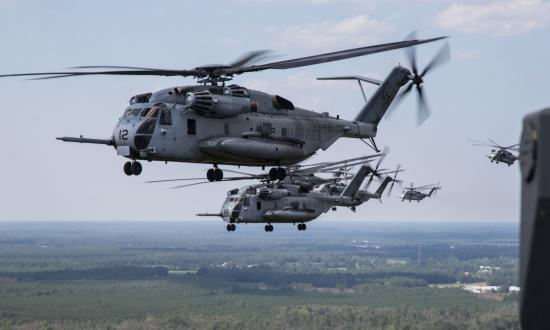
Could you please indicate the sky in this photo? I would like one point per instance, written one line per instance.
(498, 73)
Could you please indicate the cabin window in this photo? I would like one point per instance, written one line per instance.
(191, 127)
(259, 205)
(253, 106)
(226, 128)
(165, 117)
(284, 131)
(246, 201)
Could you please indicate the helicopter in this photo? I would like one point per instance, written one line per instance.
(215, 123)
(415, 193)
(280, 202)
(363, 194)
(501, 154)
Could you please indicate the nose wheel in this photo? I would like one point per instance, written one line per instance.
(132, 168)
(231, 227)
(214, 174)
(302, 226)
(268, 228)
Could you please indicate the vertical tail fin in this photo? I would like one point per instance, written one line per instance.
(376, 107)
(356, 182)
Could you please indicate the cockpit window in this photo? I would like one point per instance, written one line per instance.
(144, 112)
(127, 113)
(165, 117)
(136, 112)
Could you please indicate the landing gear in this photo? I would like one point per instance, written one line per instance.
(132, 168)
(302, 226)
(128, 168)
(334, 208)
(231, 227)
(214, 174)
(268, 228)
(277, 173)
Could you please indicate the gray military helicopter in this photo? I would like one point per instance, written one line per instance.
(215, 123)
(416, 193)
(501, 154)
(281, 202)
(363, 195)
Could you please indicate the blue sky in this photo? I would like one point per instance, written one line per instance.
(497, 74)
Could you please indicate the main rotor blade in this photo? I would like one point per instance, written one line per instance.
(440, 58)
(250, 58)
(496, 144)
(330, 57)
(224, 179)
(53, 75)
(316, 168)
(234, 178)
(513, 146)
(112, 67)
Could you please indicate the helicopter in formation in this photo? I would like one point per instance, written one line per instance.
(301, 197)
(413, 193)
(501, 154)
(215, 123)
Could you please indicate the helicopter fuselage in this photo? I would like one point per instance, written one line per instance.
(237, 127)
(502, 156)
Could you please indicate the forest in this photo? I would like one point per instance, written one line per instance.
(172, 275)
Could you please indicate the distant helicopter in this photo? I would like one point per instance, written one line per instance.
(500, 154)
(415, 193)
(217, 124)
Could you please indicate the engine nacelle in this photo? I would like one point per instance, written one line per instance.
(218, 106)
(272, 194)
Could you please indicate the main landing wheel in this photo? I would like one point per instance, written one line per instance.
(128, 168)
(302, 226)
(277, 173)
(214, 174)
(132, 168)
(268, 228)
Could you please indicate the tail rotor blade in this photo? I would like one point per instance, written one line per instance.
(411, 53)
(423, 111)
(443, 56)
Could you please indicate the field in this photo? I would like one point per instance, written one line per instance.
(196, 275)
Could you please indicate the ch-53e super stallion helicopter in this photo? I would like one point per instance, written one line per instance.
(500, 154)
(217, 124)
(301, 197)
(415, 193)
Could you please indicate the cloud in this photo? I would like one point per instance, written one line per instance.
(500, 18)
(356, 30)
